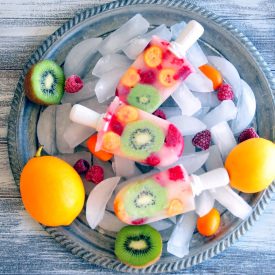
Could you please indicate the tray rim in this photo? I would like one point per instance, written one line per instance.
(15, 165)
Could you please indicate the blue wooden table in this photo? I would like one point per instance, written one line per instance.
(25, 248)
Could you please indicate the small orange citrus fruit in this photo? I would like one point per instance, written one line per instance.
(208, 224)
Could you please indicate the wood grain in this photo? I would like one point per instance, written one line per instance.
(25, 248)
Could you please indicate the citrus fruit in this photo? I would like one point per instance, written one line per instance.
(51, 190)
(251, 165)
(213, 74)
(166, 77)
(208, 224)
(153, 56)
(111, 141)
(130, 78)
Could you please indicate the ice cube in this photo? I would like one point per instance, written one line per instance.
(215, 159)
(106, 86)
(196, 56)
(176, 29)
(204, 203)
(223, 112)
(188, 103)
(124, 167)
(46, 130)
(161, 225)
(229, 73)
(188, 146)
(246, 107)
(198, 82)
(187, 125)
(182, 234)
(110, 203)
(110, 62)
(111, 223)
(93, 104)
(223, 137)
(78, 60)
(171, 111)
(207, 99)
(232, 202)
(202, 112)
(137, 25)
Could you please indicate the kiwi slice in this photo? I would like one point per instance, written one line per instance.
(144, 199)
(44, 83)
(141, 138)
(138, 246)
(144, 97)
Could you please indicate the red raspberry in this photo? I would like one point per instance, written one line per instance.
(160, 113)
(147, 77)
(73, 84)
(202, 140)
(116, 126)
(225, 92)
(81, 166)
(247, 134)
(176, 173)
(182, 73)
(177, 61)
(95, 174)
(139, 221)
(173, 136)
(152, 160)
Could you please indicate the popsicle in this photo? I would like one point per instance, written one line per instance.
(164, 194)
(131, 133)
(158, 70)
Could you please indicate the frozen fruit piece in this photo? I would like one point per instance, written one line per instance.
(247, 134)
(116, 126)
(160, 113)
(202, 140)
(130, 78)
(147, 77)
(175, 207)
(91, 143)
(213, 74)
(95, 174)
(182, 73)
(81, 166)
(111, 141)
(166, 77)
(153, 160)
(153, 56)
(225, 92)
(175, 173)
(127, 114)
(208, 224)
(73, 84)
(139, 221)
(173, 136)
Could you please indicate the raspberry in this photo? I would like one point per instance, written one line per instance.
(182, 73)
(139, 221)
(81, 166)
(176, 173)
(202, 140)
(116, 126)
(177, 61)
(173, 136)
(95, 174)
(160, 113)
(247, 134)
(73, 84)
(147, 77)
(225, 92)
(152, 160)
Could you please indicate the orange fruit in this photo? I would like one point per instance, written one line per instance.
(130, 78)
(166, 77)
(153, 56)
(213, 74)
(251, 165)
(127, 114)
(51, 190)
(111, 141)
(209, 224)
(175, 208)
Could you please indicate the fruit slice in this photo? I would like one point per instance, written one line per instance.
(111, 141)
(141, 138)
(144, 97)
(213, 74)
(138, 246)
(166, 77)
(44, 83)
(127, 114)
(153, 56)
(175, 208)
(130, 78)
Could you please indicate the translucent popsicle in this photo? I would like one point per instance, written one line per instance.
(158, 70)
(164, 194)
(131, 133)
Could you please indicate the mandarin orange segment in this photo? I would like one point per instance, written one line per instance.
(175, 208)
(111, 141)
(213, 74)
(102, 155)
(153, 56)
(127, 114)
(130, 78)
(209, 224)
(166, 77)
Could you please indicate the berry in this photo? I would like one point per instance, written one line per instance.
(160, 113)
(247, 134)
(147, 77)
(95, 174)
(73, 84)
(182, 73)
(116, 126)
(139, 221)
(225, 92)
(202, 140)
(81, 166)
(176, 173)
(173, 136)
(152, 160)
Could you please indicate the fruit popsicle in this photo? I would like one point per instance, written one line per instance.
(164, 194)
(158, 70)
(131, 133)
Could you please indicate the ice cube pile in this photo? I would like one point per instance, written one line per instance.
(194, 108)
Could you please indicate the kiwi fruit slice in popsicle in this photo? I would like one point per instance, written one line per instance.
(138, 246)
(44, 83)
